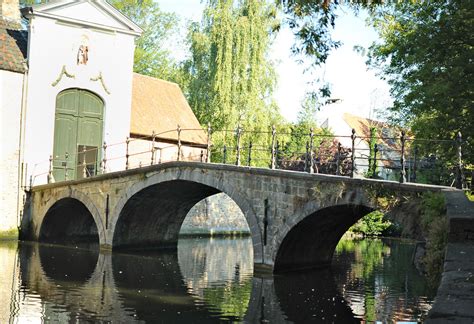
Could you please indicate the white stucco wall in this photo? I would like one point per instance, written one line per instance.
(54, 45)
(10, 105)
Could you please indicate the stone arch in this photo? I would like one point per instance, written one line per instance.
(76, 198)
(296, 246)
(201, 181)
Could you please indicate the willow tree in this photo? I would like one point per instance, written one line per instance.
(230, 78)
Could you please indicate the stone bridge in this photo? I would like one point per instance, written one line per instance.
(296, 219)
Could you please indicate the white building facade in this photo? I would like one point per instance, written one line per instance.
(66, 88)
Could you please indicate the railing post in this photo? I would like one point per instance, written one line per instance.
(306, 158)
(353, 138)
(224, 155)
(208, 155)
(239, 134)
(84, 165)
(127, 165)
(459, 162)
(311, 147)
(104, 160)
(31, 181)
(179, 143)
(338, 159)
(66, 158)
(402, 159)
(202, 156)
(153, 137)
(249, 160)
(50, 171)
(277, 152)
(415, 154)
(374, 167)
(272, 164)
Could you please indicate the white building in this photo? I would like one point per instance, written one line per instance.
(66, 87)
(335, 118)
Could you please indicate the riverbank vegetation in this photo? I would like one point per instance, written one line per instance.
(9, 235)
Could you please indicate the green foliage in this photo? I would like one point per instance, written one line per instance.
(372, 224)
(151, 58)
(433, 206)
(312, 22)
(425, 55)
(229, 78)
(9, 235)
(231, 300)
(470, 195)
(371, 170)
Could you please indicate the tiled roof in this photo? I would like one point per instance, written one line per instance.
(13, 45)
(160, 106)
(387, 136)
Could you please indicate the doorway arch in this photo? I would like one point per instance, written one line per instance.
(78, 134)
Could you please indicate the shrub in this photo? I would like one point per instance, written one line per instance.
(372, 224)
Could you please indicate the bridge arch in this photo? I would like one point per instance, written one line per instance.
(70, 217)
(296, 245)
(176, 193)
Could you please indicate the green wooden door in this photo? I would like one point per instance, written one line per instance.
(77, 134)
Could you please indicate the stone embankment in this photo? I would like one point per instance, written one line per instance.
(454, 301)
(216, 215)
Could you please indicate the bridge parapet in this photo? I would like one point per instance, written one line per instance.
(396, 157)
(295, 218)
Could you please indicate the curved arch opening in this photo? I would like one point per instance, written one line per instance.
(152, 217)
(63, 264)
(69, 221)
(311, 242)
(217, 215)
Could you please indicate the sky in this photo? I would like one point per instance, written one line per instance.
(360, 91)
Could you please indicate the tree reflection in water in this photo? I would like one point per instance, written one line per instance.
(378, 279)
(210, 280)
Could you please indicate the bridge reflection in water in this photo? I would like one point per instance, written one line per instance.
(206, 281)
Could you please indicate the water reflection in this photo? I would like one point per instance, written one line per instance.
(379, 281)
(207, 281)
(218, 272)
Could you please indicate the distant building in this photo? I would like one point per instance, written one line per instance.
(388, 141)
(67, 86)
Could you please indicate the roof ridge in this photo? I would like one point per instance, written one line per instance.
(158, 79)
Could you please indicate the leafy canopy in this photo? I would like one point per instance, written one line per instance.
(426, 55)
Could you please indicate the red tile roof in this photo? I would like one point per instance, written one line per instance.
(160, 106)
(13, 45)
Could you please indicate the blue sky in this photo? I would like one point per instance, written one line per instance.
(361, 91)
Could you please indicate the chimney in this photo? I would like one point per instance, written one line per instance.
(10, 11)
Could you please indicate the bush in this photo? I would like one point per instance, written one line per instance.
(433, 206)
(372, 224)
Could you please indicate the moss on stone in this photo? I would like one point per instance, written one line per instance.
(9, 235)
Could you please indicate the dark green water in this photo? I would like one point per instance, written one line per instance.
(208, 280)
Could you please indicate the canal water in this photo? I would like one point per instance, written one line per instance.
(206, 281)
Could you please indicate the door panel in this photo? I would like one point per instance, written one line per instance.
(90, 105)
(78, 125)
(65, 137)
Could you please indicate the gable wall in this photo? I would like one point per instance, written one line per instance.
(54, 45)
